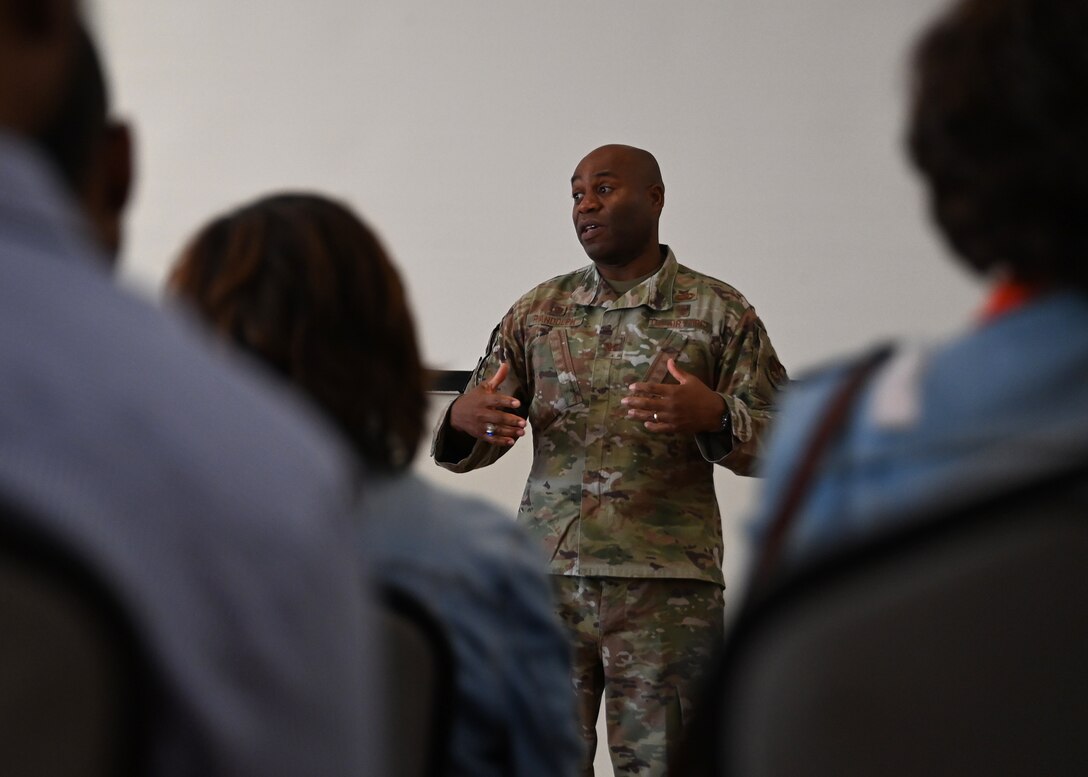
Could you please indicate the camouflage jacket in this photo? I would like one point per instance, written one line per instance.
(607, 497)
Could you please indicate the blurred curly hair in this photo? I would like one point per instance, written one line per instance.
(300, 282)
(999, 130)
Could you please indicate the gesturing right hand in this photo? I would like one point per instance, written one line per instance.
(481, 406)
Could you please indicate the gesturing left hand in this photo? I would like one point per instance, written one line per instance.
(688, 407)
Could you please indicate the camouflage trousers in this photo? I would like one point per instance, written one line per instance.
(644, 646)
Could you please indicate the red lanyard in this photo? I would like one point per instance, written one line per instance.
(1006, 297)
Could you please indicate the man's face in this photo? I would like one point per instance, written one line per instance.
(616, 207)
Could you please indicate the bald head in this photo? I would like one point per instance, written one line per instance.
(638, 163)
(618, 197)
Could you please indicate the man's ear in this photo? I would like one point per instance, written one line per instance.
(118, 167)
(108, 188)
(657, 196)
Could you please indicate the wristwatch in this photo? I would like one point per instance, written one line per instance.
(725, 426)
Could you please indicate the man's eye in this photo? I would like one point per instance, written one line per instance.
(604, 189)
(577, 196)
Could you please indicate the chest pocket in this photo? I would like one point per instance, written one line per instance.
(668, 347)
(686, 339)
(557, 387)
(565, 366)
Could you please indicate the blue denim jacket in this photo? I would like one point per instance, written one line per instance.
(1002, 403)
(484, 577)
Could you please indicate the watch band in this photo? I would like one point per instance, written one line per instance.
(724, 427)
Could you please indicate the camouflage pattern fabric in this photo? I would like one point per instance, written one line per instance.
(605, 496)
(644, 645)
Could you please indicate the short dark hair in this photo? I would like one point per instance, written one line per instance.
(999, 130)
(301, 282)
(34, 18)
(71, 136)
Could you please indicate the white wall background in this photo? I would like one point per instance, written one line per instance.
(453, 127)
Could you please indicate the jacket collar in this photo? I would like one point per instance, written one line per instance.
(655, 292)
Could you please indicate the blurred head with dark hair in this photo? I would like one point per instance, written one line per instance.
(36, 44)
(999, 130)
(92, 153)
(300, 282)
(81, 117)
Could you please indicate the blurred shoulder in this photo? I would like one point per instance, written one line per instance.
(221, 441)
(417, 518)
(807, 399)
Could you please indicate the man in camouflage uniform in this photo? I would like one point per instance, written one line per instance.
(637, 375)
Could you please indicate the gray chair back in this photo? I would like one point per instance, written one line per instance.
(71, 674)
(956, 646)
(419, 681)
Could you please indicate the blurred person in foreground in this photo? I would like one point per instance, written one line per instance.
(999, 132)
(299, 282)
(211, 505)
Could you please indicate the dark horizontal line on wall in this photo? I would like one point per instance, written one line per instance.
(447, 381)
